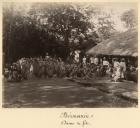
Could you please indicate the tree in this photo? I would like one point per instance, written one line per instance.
(56, 28)
(60, 21)
(21, 37)
(130, 18)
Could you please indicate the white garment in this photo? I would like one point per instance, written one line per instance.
(47, 57)
(91, 60)
(20, 61)
(96, 61)
(84, 60)
(116, 64)
(105, 63)
(123, 66)
(117, 74)
(76, 56)
(31, 68)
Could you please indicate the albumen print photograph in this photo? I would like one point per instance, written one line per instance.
(70, 55)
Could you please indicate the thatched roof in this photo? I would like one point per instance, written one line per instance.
(125, 44)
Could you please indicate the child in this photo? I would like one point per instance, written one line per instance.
(117, 74)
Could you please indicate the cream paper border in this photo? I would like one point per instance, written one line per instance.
(50, 117)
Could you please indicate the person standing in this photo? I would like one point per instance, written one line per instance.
(117, 70)
(36, 67)
(92, 60)
(84, 60)
(116, 63)
(76, 57)
(31, 69)
(96, 60)
(123, 68)
(117, 74)
(105, 66)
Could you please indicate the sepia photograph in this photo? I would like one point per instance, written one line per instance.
(69, 55)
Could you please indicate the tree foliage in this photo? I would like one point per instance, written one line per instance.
(56, 28)
(130, 18)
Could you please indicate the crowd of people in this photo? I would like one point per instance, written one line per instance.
(48, 67)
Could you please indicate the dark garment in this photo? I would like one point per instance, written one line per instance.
(36, 68)
(104, 70)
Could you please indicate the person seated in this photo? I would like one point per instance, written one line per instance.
(117, 74)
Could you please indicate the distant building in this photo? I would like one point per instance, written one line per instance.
(118, 45)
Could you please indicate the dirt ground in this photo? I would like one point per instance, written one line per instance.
(68, 93)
